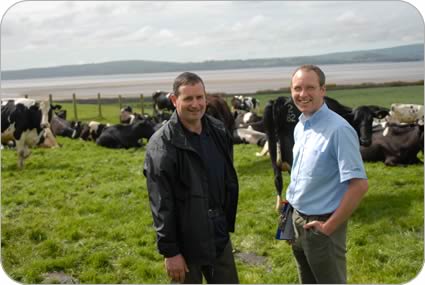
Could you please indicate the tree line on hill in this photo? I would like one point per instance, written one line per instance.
(413, 52)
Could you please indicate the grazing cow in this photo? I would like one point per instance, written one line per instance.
(281, 116)
(244, 103)
(162, 101)
(64, 128)
(395, 144)
(406, 113)
(126, 136)
(26, 120)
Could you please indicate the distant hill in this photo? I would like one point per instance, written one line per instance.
(413, 52)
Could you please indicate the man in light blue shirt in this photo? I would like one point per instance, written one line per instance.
(328, 181)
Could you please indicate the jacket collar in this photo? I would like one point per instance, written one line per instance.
(178, 136)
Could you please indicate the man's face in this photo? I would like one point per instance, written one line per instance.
(191, 103)
(306, 91)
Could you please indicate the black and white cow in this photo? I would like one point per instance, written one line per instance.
(406, 113)
(244, 103)
(249, 136)
(395, 144)
(26, 121)
(244, 119)
(126, 115)
(64, 128)
(162, 101)
(219, 109)
(281, 116)
(126, 136)
(92, 130)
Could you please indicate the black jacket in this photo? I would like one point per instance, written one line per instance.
(178, 191)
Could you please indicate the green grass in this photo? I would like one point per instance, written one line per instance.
(84, 210)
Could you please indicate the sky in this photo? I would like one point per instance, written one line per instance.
(53, 33)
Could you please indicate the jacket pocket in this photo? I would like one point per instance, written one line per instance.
(221, 235)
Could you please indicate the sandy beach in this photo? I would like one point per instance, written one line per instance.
(226, 81)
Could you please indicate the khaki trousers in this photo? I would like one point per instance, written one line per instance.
(320, 259)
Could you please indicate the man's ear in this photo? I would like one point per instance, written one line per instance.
(173, 99)
(323, 90)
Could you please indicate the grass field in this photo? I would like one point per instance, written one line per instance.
(83, 210)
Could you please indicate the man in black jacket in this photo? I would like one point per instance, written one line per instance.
(193, 189)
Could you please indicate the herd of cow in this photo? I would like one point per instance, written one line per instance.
(394, 135)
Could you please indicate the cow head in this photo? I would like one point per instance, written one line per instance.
(46, 114)
(362, 121)
(126, 114)
(85, 132)
(162, 101)
(77, 129)
(244, 103)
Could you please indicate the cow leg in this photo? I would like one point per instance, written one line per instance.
(278, 180)
(264, 151)
(278, 155)
(23, 152)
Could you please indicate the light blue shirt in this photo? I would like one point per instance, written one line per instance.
(326, 156)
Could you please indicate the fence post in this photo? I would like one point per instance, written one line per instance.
(120, 101)
(142, 104)
(99, 105)
(74, 102)
(50, 100)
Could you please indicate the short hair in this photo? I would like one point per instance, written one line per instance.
(315, 69)
(186, 78)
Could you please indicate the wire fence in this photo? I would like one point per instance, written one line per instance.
(121, 100)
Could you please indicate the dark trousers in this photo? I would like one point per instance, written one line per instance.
(320, 258)
(222, 272)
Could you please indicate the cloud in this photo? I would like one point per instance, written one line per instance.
(42, 31)
(350, 18)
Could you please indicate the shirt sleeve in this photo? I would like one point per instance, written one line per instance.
(350, 162)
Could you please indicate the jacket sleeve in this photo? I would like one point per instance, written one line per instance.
(232, 186)
(158, 170)
(229, 144)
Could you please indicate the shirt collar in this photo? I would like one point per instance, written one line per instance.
(205, 128)
(316, 115)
